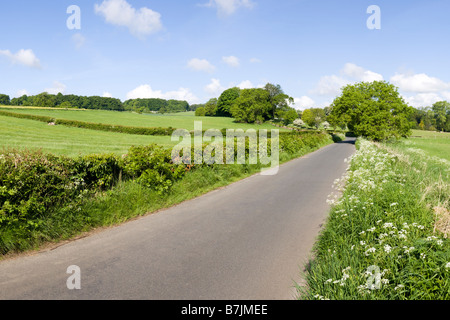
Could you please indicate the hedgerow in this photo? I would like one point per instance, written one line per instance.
(35, 186)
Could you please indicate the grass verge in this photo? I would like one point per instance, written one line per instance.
(387, 234)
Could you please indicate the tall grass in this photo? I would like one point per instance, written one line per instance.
(386, 236)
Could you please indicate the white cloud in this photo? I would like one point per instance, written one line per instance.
(330, 85)
(23, 57)
(255, 60)
(107, 95)
(58, 87)
(420, 83)
(78, 39)
(423, 99)
(21, 93)
(247, 84)
(360, 74)
(146, 92)
(140, 22)
(201, 65)
(304, 103)
(446, 95)
(214, 88)
(232, 61)
(228, 7)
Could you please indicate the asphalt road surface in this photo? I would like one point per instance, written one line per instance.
(248, 241)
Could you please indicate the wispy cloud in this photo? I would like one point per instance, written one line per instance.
(58, 87)
(331, 85)
(79, 40)
(146, 92)
(421, 83)
(232, 61)
(201, 65)
(22, 57)
(215, 88)
(140, 22)
(228, 7)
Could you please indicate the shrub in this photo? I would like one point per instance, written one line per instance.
(338, 137)
(31, 183)
(97, 171)
(152, 166)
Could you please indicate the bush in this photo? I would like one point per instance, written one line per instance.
(200, 112)
(294, 142)
(32, 184)
(338, 137)
(97, 171)
(152, 166)
(116, 128)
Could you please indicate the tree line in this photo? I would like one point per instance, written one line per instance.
(156, 105)
(96, 102)
(434, 118)
(251, 105)
(371, 109)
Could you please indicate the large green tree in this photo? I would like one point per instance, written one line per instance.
(278, 99)
(252, 106)
(226, 100)
(314, 117)
(211, 107)
(287, 115)
(4, 99)
(45, 100)
(441, 111)
(374, 110)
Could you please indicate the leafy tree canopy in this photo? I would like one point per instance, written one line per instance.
(252, 106)
(374, 110)
(226, 100)
(4, 99)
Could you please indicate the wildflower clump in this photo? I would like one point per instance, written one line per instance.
(380, 241)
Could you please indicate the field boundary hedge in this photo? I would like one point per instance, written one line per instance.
(41, 194)
(146, 131)
(93, 126)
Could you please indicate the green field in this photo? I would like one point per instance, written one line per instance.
(60, 140)
(435, 144)
(178, 120)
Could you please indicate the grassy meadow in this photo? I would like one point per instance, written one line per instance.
(178, 120)
(60, 140)
(434, 144)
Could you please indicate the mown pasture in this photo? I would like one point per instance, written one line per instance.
(178, 120)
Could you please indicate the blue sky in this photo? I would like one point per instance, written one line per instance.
(194, 49)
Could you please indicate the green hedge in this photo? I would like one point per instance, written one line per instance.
(125, 129)
(93, 126)
(27, 116)
(34, 186)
